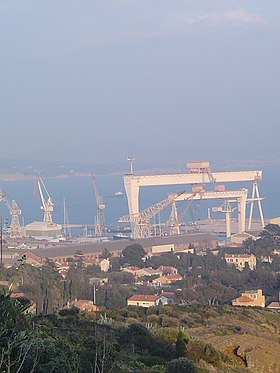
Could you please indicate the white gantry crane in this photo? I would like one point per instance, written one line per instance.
(100, 227)
(47, 204)
(140, 222)
(15, 212)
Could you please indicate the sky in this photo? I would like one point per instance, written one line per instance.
(162, 80)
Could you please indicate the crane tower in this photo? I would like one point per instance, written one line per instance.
(100, 227)
(15, 212)
(47, 205)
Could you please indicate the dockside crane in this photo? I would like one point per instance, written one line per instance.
(15, 212)
(47, 204)
(100, 227)
(140, 222)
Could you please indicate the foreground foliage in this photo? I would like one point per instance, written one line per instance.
(129, 340)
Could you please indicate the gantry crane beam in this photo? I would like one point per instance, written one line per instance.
(239, 195)
(132, 183)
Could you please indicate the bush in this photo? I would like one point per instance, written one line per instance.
(195, 349)
(211, 355)
(181, 365)
(69, 311)
(169, 321)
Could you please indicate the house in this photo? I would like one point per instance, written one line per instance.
(274, 306)
(32, 259)
(85, 305)
(240, 260)
(251, 298)
(142, 300)
(167, 270)
(166, 280)
(141, 272)
(104, 264)
(167, 297)
(132, 269)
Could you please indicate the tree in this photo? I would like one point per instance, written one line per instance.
(133, 255)
(181, 365)
(15, 334)
(180, 345)
(105, 254)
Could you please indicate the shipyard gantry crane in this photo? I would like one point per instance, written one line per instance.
(15, 212)
(140, 222)
(100, 227)
(47, 204)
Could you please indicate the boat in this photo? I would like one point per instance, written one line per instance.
(118, 194)
(120, 236)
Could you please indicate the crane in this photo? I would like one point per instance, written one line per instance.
(100, 227)
(227, 209)
(15, 212)
(47, 205)
(173, 221)
(141, 221)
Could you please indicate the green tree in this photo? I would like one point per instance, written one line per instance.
(180, 345)
(15, 334)
(132, 255)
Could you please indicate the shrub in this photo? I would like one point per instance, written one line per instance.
(181, 365)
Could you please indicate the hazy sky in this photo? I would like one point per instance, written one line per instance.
(97, 80)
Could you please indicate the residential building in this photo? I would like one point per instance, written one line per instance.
(167, 270)
(274, 306)
(142, 300)
(32, 259)
(141, 272)
(240, 260)
(85, 305)
(104, 264)
(251, 298)
(167, 297)
(166, 280)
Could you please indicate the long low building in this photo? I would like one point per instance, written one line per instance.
(63, 250)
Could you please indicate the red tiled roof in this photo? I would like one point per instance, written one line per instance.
(132, 268)
(166, 268)
(167, 294)
(274, 305)
(173, 277)
(143, 297)
(243, 299)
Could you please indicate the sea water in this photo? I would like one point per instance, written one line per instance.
(80, 201)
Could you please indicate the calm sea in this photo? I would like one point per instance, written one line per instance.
(80, 200)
